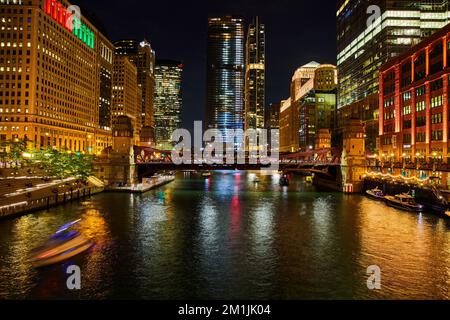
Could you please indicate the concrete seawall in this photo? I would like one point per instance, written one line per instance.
(45, 203)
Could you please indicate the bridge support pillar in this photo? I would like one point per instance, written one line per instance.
(117, 167)
(353, 160)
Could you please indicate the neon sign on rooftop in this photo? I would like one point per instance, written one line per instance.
(70, 18)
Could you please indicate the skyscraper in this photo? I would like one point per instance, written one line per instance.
(255, 76)
(143, 56)
(369, 33)
(225, 75)
(311, 109)
(126, 94)
(168, 101)
(55, 78)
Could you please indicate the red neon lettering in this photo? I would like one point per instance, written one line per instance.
(54, 10)
(60, 14)
(48, 6)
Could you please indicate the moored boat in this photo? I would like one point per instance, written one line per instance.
(284, 181)
(206, 174)
(404, 202)
(376, 194)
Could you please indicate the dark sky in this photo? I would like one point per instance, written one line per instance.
(298, 31)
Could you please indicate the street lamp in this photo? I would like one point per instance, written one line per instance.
(434, 160)
(417, 160)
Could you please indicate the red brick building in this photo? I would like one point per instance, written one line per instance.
(414, 103)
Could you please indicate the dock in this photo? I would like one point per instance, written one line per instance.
(142, 187)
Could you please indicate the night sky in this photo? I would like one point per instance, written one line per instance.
(297, 31)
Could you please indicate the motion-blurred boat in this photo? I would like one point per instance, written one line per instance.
(376, 194)
(206, 174)
(404, 202)
(63, 245)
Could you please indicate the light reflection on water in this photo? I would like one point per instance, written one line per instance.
(228, 237)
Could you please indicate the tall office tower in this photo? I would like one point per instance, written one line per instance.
(272, 116)
(255, 76)
(310, 109)
(302, 83)
(106, 73)
(367, 40)
(168, 101)
(126, 94)
(52, 88)
(272, 122)
(225, 76)
(317, 109)
(143, 56)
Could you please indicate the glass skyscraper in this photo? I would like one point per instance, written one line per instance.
(167, 101)
(225, 75)
(369, 33)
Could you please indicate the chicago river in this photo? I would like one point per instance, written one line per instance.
(229, 237)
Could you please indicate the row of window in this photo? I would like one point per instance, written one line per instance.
(436, 135)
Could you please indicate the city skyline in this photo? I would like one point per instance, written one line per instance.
(112, 188)
(175, 40)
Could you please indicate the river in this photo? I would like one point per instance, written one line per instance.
(230, 238)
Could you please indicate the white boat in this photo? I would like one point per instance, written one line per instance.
(404, 202)
(376, 194)
(63, 245)
(206, 174)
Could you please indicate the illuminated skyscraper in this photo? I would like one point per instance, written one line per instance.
(168, 101)
(311, 109)
(55, 78)
(255, 76)
(143, 56)
(225, 74)
(369, 33)
(126, 94)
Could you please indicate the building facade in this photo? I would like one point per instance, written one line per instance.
(288, 121)
(272, 123)
(126, 99)
(255, 76)
(369, 33)
(317, 109)
(168, 101)
(311, 107)
(225, 76)
(414, 103)
(51, 71)
(143, 56)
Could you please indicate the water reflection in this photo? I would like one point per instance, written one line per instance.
(228, 237)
